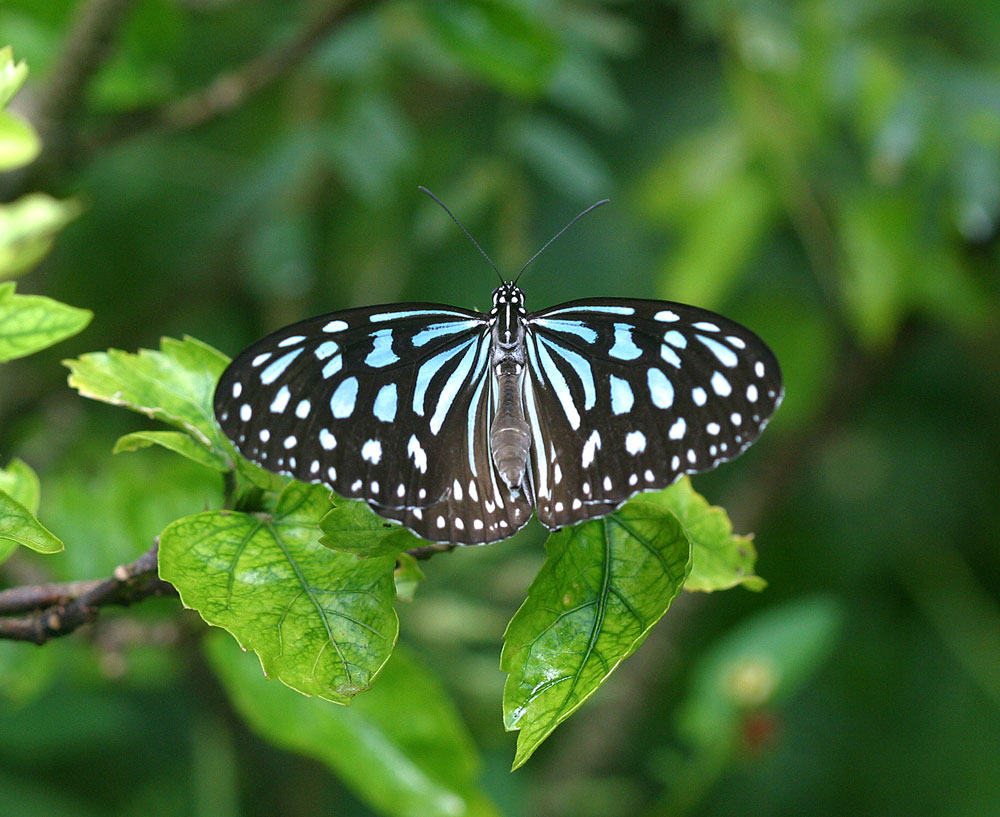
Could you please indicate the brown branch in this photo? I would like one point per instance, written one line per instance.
(231, 89)
(62, 608)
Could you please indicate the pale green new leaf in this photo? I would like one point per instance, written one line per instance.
(174, 441)
(29, 323)
(320, 621)
(407, 576)
(354, 527)
(20, 481)
(175, 384)
(19, 528)
(401, 747)
(719, 558)
(19, 144)
(12, 75)
(28, 227)
(604, 584)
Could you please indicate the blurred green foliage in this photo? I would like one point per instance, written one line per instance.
(827, 172)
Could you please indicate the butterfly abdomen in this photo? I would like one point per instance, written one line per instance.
(510, 437)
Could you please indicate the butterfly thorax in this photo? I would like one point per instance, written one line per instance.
(510, 438)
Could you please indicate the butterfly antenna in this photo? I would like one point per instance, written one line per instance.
(444, 207)
(574, 220)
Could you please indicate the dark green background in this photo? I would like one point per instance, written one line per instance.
(826, 172)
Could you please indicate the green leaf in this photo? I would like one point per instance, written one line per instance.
(354, 527)
(28, 227)
(407, 577)
(401, 747)
(29, 323)
(12, 75)
(19, 144)
(604, 584)
(20, 482)
(19, 528)
(320, 621)
(174, 385)
(177, 442)
(763, 660)
(496, 40)
(561, 156)
(719, 559)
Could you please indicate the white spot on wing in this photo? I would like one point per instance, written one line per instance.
(666, 315)
(677, 429)
(335, 326)
(635, 442)
(280, 402)
(622, 398)
(372, 451)
(327, 440)
(414, 450)
(624, 347)
(661, 390)
(590, 451)
(721, 385)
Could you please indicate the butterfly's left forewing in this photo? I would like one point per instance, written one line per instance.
(627, 395)
(389, 404)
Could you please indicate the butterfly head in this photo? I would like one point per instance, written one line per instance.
(508, 296)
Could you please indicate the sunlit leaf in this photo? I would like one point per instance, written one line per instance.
(604, 584)
(320, 621)
(403, 761)
(354, 527)
(28, 227)
(719, 559)
(29, 323)
(20, 482)
(12, 75)
(19, 528)
(175, 441)
(19, 143)
(175, 384)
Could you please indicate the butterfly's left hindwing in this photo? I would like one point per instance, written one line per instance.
(627, 395)
(386, 404)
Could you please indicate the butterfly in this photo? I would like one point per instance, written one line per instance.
(460, 424)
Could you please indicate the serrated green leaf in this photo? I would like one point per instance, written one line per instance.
(719, 559)
(175, 441)
(29, 323)
(174, 385)
(354, 527)
(604, 584)
(407, 576)
(20, 482)
(320, 621)
(12, 75)
(764, 659)
(19, 528)
(417, 763)
(28, 227)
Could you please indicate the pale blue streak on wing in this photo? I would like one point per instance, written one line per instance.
(276, 369)
(581, 366)
(451, 388)
(624, 347)
(605, 310)
(381, 354)
(430, 368)
(578, 328)
(440, 330)
(381, 317)
(556, 379)
(482, 373)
